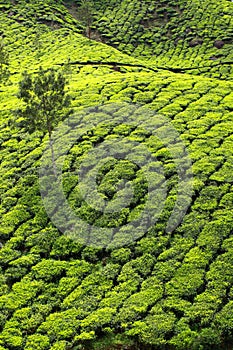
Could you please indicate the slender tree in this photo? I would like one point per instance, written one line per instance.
(85, 15)
(46, 102)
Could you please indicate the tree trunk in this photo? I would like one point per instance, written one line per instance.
(52, 153)
(89, 32)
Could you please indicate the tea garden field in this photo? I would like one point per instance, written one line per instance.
(165, 289)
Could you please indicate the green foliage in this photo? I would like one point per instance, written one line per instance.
(85, 14)
(165, 290)
(45, 99)
(48, 269)
(37, 341)
(60, 325)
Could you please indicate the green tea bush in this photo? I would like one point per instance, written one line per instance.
(165, 289)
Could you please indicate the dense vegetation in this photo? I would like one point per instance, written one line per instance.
(166, 290)
(188, 36)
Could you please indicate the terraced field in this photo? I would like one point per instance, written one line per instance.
(166, 288)
(192, 36)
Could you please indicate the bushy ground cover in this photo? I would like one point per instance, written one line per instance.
(166, 290)
(195, 36)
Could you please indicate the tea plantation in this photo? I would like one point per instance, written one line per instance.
(156, 75)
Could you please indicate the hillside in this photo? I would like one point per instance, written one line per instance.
(152, 89)
(192, 36)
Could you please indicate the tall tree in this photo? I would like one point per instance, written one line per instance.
(46, 102)
(85, 15)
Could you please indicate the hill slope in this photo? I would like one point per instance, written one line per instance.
(195, 36)
(170, 290)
